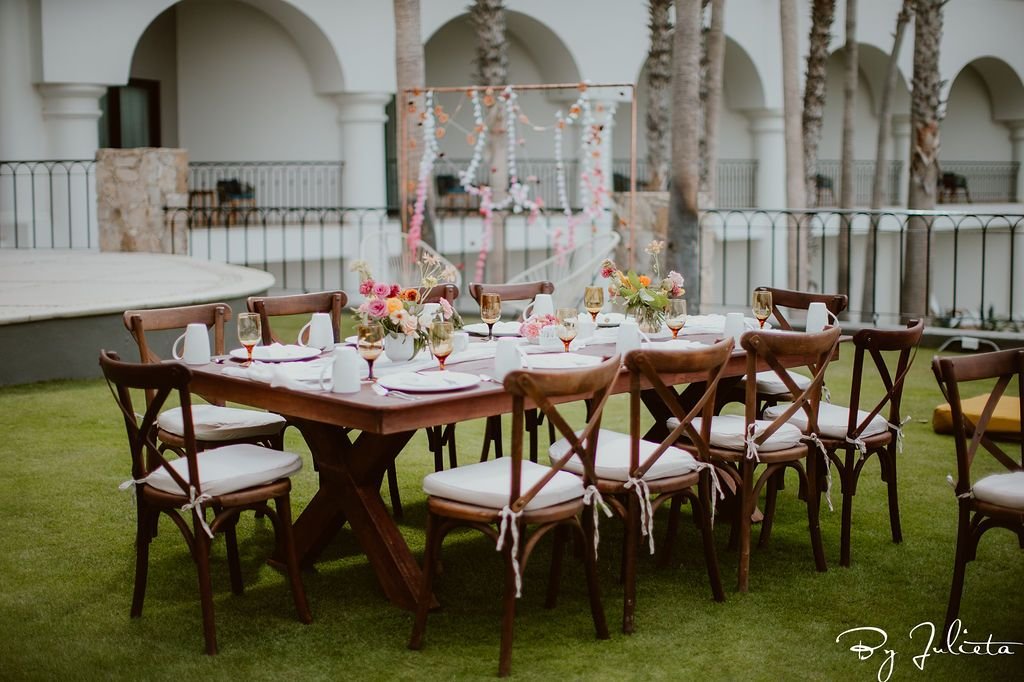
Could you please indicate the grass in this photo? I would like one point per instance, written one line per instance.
(67, 566)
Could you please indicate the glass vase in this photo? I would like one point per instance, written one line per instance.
(649, 320)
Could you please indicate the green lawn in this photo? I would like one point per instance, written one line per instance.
(67, 566)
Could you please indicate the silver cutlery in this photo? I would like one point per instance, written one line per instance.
(385, 392)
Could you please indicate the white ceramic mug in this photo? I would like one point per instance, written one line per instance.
(321, 333)
(817, 317)
(506, 357)
(344, 371)
(628, 338)
(460, 341)
(542, 304)
(734, 327)
(197, 345)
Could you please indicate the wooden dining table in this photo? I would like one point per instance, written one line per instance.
(354, 437)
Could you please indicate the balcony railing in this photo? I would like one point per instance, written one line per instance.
(985, 181)
(265, 183)
(48, 204)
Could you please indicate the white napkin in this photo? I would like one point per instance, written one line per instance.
(559, 361)
(500, 327)
(296, 376)
(715, 324)
(675, 344)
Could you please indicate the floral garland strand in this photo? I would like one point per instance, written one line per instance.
(426, 171)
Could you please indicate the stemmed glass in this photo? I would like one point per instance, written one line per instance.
(370, 345)
(762, 306)
(442, 341)
(676, 315)
(566, 325)
(593, 301)
(490, 312)
(249, 332)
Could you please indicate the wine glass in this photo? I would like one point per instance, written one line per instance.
(593, 301)
(370, 345)
(566, 325)
(762, 306)
(490, 312)
(442, 341)
(249, 332)
(676, 315)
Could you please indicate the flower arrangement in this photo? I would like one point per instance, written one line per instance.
(398, 309)
(645, 297)
(530, 328)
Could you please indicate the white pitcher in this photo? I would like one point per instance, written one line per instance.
(344, 370)
(197, 345)
(321, 333)
(542, 304)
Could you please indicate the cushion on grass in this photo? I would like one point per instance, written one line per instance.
(612, 461)
(1005, 490)
(727, 432)
(212, 422)
(768, 382)
(1005, 418)
(832, 420)
(487, 484)
(230, 468)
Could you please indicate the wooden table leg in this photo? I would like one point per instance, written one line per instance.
(350, 478)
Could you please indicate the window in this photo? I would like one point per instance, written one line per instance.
(131, 115)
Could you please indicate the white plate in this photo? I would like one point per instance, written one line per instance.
(428, 382)
(610, 319)
(560, 361)
(277, 353)
(500, 329)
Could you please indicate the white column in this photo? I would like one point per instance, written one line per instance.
(362, 119)
(21, 122)
(71, 112)
(1017, 153)
(767, 131)
(901, 152)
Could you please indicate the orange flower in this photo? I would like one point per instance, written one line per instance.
(394, 304)
(412, 295)
(645, 280)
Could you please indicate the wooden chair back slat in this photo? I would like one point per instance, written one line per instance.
(448, 292)
(801, 300)
(522, 291)
(950, 372)
(331, 302)
(594, 383)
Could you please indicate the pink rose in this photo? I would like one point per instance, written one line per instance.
(377, 307)
(381, 290)
(446, 308)
(365, 287)
(395, 291)
(607, 271)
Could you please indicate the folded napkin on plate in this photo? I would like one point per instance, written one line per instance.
(296, 376)
(715, 324)
(675, 344)
(559, 361)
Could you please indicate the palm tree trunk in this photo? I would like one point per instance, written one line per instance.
(488, 17)
(924, 154)
(713, 106)
(410, 73)
(795, 195)
(683, 230)
(847, 184)
(882, 160)
(822, 14)
(659, 95)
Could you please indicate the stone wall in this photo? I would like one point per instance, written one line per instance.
(132, 188)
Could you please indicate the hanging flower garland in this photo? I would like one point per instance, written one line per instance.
(426, 172)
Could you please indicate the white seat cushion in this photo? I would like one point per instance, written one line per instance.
(230, 468)
(768, 382)
(832, 420)
(215, 423)
(727, 432)
(1005, 490)
(612, 461)
(488, 484)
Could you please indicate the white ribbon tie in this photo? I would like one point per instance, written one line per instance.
(196, 503)
(592, 497)
(643, 493)
(898, 428)
(828, 469)
(510, 520)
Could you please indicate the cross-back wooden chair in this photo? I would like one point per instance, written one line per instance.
(229, 480)
(214, 424)
(267, 307)
(850, 435)
(741, 445)
(515, 494)
(996, 500)
(636, 476)
(523, 291)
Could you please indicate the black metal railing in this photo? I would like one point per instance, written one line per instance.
(737, 180)
(830, 184)
(983, 181)
(972, 260)
(48, 204)
(265, 183)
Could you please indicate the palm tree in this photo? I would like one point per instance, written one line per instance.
(683, 227)
(881, 157)
(822, 15)
(659, 94)
(410, 76)
(795, 194)
(488, 17)
(924, 154)
(713, 105)
(846, 181)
